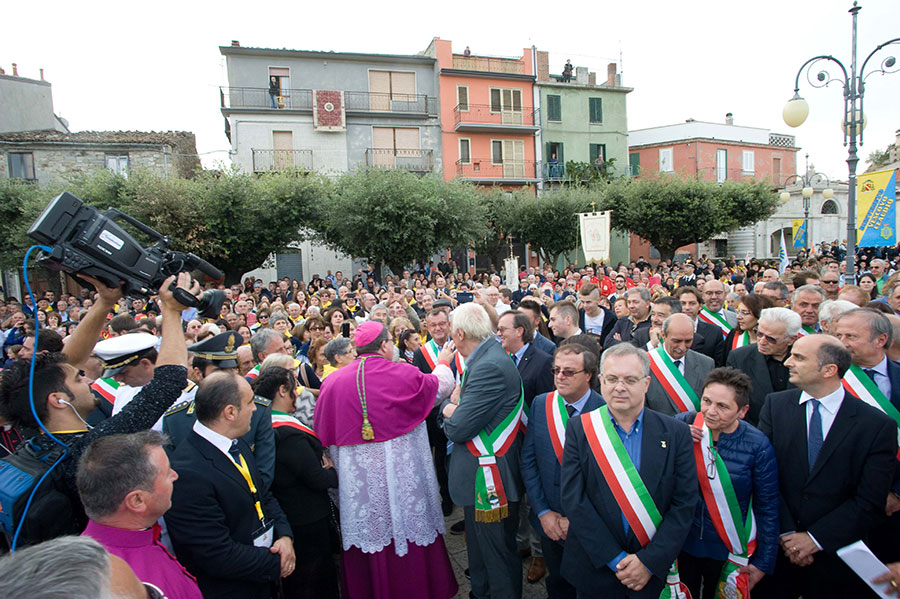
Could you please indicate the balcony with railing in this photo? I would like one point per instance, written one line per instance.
(509, 171)
(415, 160)
(282, 160)
(494, 119)
(489, 64)
(256, 98)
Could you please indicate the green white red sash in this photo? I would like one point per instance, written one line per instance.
(737, 533)
(740, 340)
(460, 363)
(715, 319)
(430, 351)
(254, 372)
(858, 383)
(672, 381)
(806, 330)
(106, 388)
(557, 418)
(286, 420)
(629, 490)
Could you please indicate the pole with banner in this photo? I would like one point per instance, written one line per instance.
(594, 227)
(876, 209)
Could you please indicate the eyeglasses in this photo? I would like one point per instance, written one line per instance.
(834, 282)
(712, 453)
(768, 338)
(316, 328)
(629, 381)
(565, 372)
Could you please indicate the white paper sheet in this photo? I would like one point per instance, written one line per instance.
(862, 561)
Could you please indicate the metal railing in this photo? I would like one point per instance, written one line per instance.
(483, 114)
(415, 160)
(553, 171)
(509, 169)
(302, 99)
(488, 64)
(282, 160)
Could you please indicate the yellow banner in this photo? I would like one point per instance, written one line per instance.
(876, 209)
(799, 233)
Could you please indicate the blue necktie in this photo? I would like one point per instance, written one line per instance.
(570, 409)
(815, 437)
(234, 452)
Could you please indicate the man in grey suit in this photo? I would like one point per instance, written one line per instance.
(677, 336)
(484, 415)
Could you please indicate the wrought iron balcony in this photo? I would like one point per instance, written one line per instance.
(511, 171)
(419, 161)
(302, 99)
(494, 119)
(282, 160)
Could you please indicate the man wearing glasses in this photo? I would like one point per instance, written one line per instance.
(625, 531)
(831, 284)
(763, 361)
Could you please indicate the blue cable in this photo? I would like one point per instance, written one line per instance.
(31, 399)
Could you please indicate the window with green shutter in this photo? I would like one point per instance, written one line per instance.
(598, 151)
(596, 110)
(554, 108)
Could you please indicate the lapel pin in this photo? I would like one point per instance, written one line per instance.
(662, 444)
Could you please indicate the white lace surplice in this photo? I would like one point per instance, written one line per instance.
(388, 492)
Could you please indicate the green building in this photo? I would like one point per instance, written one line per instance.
(584, 122)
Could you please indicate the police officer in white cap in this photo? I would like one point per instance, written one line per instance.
(220, 353)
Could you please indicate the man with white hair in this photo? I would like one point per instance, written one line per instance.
(485, 415)
(763, 361)
(805, 301)
(831, 309)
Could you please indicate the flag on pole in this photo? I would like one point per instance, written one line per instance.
(783, 261)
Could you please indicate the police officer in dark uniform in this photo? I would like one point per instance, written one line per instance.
(220, 353)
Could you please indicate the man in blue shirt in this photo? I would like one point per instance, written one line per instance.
(603, 554)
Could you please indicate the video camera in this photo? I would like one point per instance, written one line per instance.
(86, 241)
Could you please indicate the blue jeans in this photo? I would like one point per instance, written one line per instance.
(272, 101)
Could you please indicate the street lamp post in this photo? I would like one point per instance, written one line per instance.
(807, 181)
(854, 121)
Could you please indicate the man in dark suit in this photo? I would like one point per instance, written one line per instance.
(836, 458)
(867, 334)
(650, 337)
(763, 361)
(533, 308)
(592, 317)
(226, 529)
(490, 393)
(638, 301)
(515, 332)
(437, 323)
(678, 334)
(542, 454)
(709, 339)
(603, 555)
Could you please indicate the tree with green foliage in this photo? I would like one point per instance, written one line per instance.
(497, 205)
(670, 211)
(549, 222)
(395, 217)
(879, 159)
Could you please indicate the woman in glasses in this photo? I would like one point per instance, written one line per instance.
(748, 310)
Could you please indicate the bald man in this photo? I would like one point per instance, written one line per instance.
(677, 372)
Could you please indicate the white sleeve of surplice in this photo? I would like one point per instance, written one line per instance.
(388, 492)
(446, 382)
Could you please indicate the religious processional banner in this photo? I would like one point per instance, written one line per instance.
(595, 235)
(799, 236)
(876, 209)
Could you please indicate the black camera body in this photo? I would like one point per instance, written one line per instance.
(84, 240)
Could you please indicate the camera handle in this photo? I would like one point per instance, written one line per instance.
(115, 213)
(184, 297)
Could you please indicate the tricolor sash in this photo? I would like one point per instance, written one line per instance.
(858, 383)
(557, 418)
(279, 420)
(737, 533)
(672, 381)
(254, 372)
(807, 330)
(460, 363)
(430, 351)
(629, 490)
(715, 319)
(740, 340)
(106, 388)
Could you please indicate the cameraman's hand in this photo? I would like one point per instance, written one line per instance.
(183, 280)
(108, 296)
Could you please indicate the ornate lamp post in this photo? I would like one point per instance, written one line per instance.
(808, 180)
(853, 122)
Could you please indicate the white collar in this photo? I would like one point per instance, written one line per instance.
(831, 402)
(219, 441)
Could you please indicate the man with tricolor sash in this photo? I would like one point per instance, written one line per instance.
(734, 537)
(713, 311)
(805, 301)
(629, 488)
(836, 457)
(875, 379)
(574, 369)
(677, 372)
(484, 419)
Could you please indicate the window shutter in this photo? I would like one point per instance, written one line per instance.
(634, 163)
(462, 97)
(495, 100)
(554, 108)
(596, 110)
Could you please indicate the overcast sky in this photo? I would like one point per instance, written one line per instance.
(157, 66)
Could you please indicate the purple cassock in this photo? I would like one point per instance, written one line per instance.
(391, 518)
(151, 562)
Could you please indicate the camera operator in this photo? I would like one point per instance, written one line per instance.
(62, 397)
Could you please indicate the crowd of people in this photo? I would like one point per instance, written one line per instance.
(711, 427)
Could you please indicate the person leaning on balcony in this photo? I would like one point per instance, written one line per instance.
(274, 91)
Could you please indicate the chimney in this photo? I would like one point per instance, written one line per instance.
(15, 70)
(729, 118)
(42, 75)
(592, 78)
(235, 44)
(611, 74)
(543, 66)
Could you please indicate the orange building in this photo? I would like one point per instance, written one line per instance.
(488, 116)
